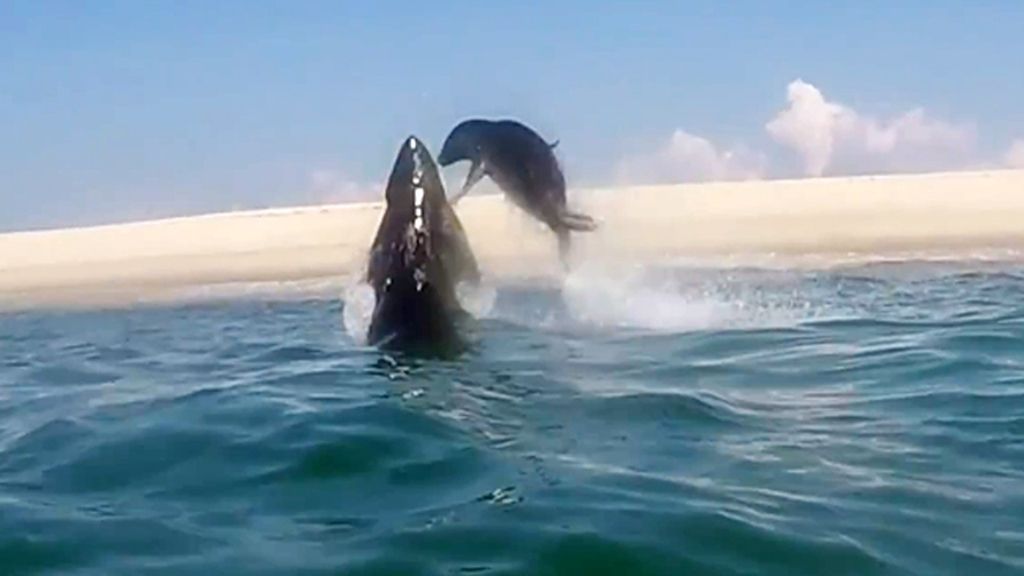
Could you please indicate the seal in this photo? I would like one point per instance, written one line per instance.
(418, 257)
(524, 167)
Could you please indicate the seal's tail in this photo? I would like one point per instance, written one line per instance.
(571, 222)
(578, 222)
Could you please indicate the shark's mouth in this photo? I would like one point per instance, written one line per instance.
(418, 251)
(417, 182)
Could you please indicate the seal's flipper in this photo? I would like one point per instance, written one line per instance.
(476, 172)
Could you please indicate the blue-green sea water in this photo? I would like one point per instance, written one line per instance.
(678, 421)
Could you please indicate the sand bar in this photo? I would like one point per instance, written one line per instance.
(826, 217)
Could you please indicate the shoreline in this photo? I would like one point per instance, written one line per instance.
(825, 220)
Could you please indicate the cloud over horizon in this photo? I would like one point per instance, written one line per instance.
(689, 158)
(828, 138)
(1014, 157)
(832, 138)
(824, 136)
(331, 187)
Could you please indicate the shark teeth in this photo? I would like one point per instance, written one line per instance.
(417, 179)
(418, 205)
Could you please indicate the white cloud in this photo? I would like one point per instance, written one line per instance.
(828, 137)
(808, 126)
(329, 186)
(689, 158)
(835, 139)
(1014, 157)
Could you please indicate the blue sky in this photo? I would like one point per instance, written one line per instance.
(115, 110)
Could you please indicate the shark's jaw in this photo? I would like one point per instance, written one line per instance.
(415, 296)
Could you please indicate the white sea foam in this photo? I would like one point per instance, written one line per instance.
(699, 300)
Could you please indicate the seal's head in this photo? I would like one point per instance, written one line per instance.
(464, 142)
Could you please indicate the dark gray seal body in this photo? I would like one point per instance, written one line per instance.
(417, 259)
(523, 165)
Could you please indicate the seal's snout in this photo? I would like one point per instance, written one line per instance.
(446, 157)
(462, 143)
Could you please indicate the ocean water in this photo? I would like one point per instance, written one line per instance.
(677, 420)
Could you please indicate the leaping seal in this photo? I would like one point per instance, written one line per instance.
(524, 167)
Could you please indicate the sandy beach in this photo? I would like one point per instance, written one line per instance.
(824, 220)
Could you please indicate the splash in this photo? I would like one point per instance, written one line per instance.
(360, 301)
(358, 309)
(684, 301)
(478, 300)
(591, 298)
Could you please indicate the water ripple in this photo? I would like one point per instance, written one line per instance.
(671, 421)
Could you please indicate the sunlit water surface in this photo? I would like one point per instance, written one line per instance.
(668, 421)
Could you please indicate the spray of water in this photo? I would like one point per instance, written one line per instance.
(360, 300)
(478, 299)
(592, 298)
(358, 309)
(685, 300)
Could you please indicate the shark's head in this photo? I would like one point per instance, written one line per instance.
(463, 142)
(415, 198)
(414, 287)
